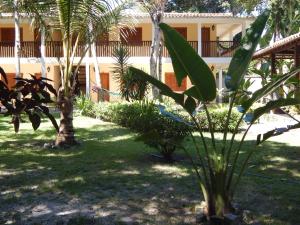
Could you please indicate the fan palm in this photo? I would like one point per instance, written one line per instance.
(79, 20)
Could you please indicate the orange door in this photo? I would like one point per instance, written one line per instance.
(105, 85)
(10, 80)
(205, 41)
(38, 75)
(170, 80)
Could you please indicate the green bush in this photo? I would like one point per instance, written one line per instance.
(84, 105)
(144, 117)
(218, 117)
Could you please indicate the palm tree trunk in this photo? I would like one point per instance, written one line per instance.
(65, 136)
(154, 56)
(17, 39)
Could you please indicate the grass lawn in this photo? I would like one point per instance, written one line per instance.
(112, 177)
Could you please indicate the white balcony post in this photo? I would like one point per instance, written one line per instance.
(43, 51)
(87, 73)
(243, 29)
(220, 85)
(200, 39)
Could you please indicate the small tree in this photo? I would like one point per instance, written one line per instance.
(82, 21)
(216, 167)
(29, 96)
(131, 88)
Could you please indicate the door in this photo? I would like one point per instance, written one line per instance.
(205, 31)
(81, 79)
(105, 85)
(170, 80)
(182, 31)
(11, 82)
(132, 37)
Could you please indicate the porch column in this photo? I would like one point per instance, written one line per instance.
(220, 85)
(200, 39)
(43, 52)
(243, 29)
(273, 64)
(87, 73)
(297, 64)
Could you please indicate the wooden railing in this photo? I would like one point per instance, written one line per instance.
(105, 49)
(218, 48)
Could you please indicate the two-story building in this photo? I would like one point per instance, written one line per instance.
(211, 35)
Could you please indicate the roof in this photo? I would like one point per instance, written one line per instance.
(279, 46)
(170, 15)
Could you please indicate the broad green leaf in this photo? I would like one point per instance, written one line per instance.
(165, 89)
(243, 56)
(189, 104)
(187, 62)
(274, 105)
(268, 89)
(35, 120)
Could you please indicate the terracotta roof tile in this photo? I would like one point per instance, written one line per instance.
(285, 41)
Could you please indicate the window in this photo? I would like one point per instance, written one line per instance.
(170, 80)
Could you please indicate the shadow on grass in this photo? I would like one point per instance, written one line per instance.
(111, 177)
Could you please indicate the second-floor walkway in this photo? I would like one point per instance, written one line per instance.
(31, 49)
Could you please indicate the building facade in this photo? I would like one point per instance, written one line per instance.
(210, 34)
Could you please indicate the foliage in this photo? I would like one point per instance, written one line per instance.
(217, 171)
(144, 117)
(84, 105)
(29, 96)
(80, 24)
(131, 88)
(217, 120)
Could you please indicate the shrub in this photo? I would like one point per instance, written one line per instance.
(218, 117)
(154, 129)
(84, 105)
(131, 88)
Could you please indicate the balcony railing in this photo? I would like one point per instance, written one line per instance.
(31, 49)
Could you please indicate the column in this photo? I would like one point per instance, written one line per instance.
(87, 73)
(43, 52)
(220, 85)
(243, 29)
(297, 64)
(200, 39)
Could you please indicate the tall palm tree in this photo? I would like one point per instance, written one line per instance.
(73, 19)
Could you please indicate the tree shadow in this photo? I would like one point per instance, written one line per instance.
(109, 176)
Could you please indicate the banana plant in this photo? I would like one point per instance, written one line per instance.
(219, 168)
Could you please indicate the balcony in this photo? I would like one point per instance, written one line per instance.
(31, 49)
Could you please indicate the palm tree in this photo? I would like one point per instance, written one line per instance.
(73, 19)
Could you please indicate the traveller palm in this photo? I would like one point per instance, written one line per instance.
(219, 167)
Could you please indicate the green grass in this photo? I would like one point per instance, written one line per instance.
(113, 176)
